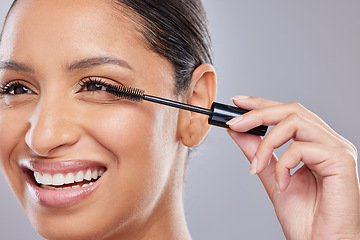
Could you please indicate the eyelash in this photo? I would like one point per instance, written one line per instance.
(6, 88)
(87, 81)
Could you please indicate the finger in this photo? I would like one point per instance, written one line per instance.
(270, 116)
(248, 143)
(251, 103)
(270, 113)
(292, 127)
(324, 160)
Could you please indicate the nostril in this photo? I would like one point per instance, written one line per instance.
(45, 143)
(52, 127)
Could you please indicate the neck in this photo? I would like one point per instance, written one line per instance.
(166, 219)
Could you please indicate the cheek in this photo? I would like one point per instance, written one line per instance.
(141, 138)
(133, 129)
(12, 129)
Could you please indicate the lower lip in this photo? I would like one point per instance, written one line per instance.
(59, 198)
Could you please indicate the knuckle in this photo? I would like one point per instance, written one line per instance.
(355, 151)
(346, 148)
(295, 117)
(348, 155)
(344, 158)
(297, 106)
(294, 146)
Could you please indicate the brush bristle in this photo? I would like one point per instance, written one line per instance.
(128, 93)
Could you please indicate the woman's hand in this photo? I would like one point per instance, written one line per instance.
(321, 200)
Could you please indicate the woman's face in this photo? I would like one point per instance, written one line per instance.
(57, 123)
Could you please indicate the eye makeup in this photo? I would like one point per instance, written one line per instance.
(92, 84)
(14, 88)
(219, 114)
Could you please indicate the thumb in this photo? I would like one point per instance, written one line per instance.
(249, 143)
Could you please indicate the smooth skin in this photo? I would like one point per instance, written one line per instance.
(52, 117)
(321, 200)
(141, 194)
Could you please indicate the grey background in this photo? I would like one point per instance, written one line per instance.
(305, 51)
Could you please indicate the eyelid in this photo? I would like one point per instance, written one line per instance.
(98, 80)
(17, 82)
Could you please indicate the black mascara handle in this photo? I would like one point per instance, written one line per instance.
(222, 113)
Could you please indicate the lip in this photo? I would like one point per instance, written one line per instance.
(52, 166)
(58, 198)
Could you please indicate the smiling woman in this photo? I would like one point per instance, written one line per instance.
(85, 164)
(69, 149)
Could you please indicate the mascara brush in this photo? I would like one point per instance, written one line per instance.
(219, 114)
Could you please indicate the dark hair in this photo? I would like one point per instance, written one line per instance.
(176, 30)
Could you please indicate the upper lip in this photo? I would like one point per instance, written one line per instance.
(58, 166)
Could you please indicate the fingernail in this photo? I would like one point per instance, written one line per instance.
(253, 166)
(235, 120)
(239, 97)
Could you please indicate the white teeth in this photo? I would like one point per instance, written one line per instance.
(58, 179)
(37, 176)
(88, 175)
(70, 178)
(47, 180)
(95, 174)
(79, 177)
(67, 188)
(101, 171)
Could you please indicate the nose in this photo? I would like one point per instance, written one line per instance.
(51, 128)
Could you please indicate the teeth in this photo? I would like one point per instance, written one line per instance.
(46, 179)
(79, 177)
(88, 175)
(95, 174)
(66, 188)
(59, 179)
(70, 178)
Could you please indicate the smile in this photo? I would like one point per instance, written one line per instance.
(61, 181)
(62, 184)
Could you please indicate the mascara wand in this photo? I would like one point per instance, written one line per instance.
(219, 114)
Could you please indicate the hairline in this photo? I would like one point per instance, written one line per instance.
(6, 18)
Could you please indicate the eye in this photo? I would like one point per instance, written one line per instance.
(92, 85)
(93, 89)
(15, 88)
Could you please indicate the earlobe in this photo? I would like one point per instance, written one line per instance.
(193, 127)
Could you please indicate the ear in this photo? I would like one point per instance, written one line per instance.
(193, 127)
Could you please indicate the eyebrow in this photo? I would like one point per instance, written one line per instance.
(15, 66)
(78, 65)
(92, 62)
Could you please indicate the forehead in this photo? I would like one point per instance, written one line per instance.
(61, 20)
(72, 10)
